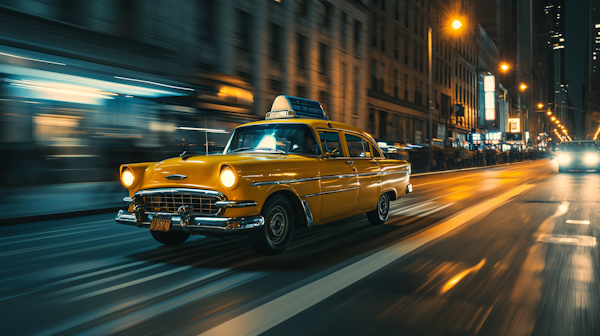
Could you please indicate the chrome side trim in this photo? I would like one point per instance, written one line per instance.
(128, 199)
(234, 204)
(328, 177)
(176, 176)
(309, 216)
(254, 184)
(329, 192)
(202, 192)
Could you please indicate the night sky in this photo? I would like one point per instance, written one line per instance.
(576, 35)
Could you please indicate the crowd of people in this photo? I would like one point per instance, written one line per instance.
(457, 158)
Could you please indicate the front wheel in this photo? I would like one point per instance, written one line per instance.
(170, 238)
(276, 234)
(382, 212)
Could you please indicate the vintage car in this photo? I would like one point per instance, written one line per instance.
(294, 169)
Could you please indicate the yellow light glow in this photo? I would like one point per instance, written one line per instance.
(127, 178)
(553, 118)
(540, 105)
(228, 178)
(523, 87)
(504, 67)
(456, 24)
(549, 112)
(461, 275)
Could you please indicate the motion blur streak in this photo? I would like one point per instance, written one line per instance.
(461, 275)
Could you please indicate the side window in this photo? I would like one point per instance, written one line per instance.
(375, 151)
(330, 141)
(356, 146)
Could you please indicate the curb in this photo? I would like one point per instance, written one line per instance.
(472, 168)
(56, 216)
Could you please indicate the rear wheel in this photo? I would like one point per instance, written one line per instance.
(276, 234)
(382, 212)
(170, 238)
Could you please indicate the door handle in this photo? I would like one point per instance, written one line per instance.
(373, 161)
(350, 162)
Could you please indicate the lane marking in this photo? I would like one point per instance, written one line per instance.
(270, 314)
(425, 214)
(567, 240)
(577, 221)
(456, 178)
(414, 209)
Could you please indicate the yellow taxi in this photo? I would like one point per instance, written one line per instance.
(293, 169)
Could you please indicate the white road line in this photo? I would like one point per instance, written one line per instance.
(419, 216)
(567, 240)
(46, 231)
(415, 209)
(576, 221)
(40, 248)
(144, 314)
(270, 314)
(131, 283)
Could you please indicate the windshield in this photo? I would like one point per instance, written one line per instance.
(578, 146)
(281, 138)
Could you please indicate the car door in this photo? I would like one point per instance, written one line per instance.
(367, 169)
(339, 189)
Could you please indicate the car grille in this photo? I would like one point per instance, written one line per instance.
(170, 203)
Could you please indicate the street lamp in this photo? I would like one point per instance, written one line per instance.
(456, 24)
(504, 67)
(540, 105)
(553, 118)
(523, 87)
(549, 112)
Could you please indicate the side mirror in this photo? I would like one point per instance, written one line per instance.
(329, 154)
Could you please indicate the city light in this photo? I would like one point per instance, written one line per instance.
(523, 87)
(504, 67)
(549, 112)
(540, 105)
(553, 118)
(456, 24)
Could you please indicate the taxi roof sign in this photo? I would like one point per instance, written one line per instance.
(294, 107)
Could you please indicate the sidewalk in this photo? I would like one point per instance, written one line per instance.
(20, 205)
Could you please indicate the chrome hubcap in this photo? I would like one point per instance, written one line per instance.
(277, 224)
(383, 207)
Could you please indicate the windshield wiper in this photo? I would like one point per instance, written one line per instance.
(272, 149)
(239, 149)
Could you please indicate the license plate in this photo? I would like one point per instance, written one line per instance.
(160, 224)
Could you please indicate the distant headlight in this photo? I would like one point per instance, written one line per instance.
(564, 158)
(228, 177)
(127, 178)
(591, 158)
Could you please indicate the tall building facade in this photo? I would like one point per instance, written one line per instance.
(591, 98)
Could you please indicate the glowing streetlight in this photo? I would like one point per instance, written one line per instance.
(456, 24)
(523, 87)
(549, 112)
(553, 118)
(504, 67)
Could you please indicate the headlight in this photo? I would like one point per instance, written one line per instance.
(591, 158)
(127, 178)
(564, 158)
(228, 177)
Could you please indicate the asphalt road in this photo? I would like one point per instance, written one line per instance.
(500, 251)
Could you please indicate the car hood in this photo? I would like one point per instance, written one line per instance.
(202, 172)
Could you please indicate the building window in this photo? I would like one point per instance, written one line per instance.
(243, 31)
(343, 30)
(323, 58)
(406, 51)
(406, 13)
(383, 38)
(374, 75)
(416, 55)
(357, 29)
(406, 87)
(324, 100)
(302, 7)
(397, 10)
(396, 52)
(206, 22)
(374, 34)
(381, 77)
(275, 42)
(301, 52)
(275, 85)
(396, 83)
(371, 121)
(323, 10)
(301, 91)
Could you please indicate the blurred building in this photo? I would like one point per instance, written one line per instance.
(591, 91)
(87, 85)
(398, 73)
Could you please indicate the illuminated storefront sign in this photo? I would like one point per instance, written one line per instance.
(514, 125)
(489, 87)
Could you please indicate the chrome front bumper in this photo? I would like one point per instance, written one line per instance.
(217, 225)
